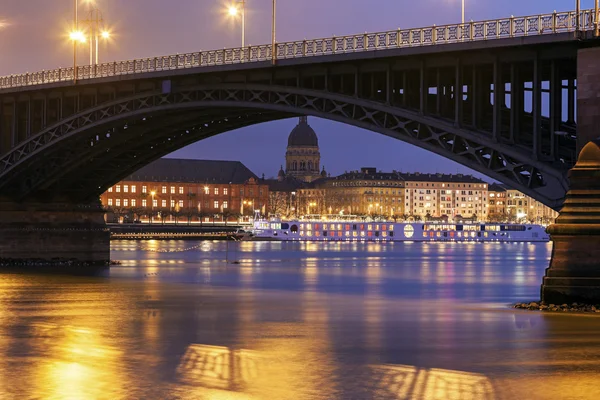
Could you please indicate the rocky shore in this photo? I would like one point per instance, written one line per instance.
(575, 307)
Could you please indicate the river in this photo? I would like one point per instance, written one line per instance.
(266, 320)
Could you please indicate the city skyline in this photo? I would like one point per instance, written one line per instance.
(140, 29)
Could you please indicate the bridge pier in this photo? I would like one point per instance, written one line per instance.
(54, 234)
(574, 272)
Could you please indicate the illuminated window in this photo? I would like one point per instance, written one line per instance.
(125, 188)
(118, 188)
(133, 188)
(118, 202)
(225, 191)
(155, 203)
(409, 231)
(216, 190)
(180, 189)
(172, 203)
(125, 202)
(110, 202)
(225, 204)
(110, 189)
(164, 203)
(180, 203)
(172, 189)
(355, 234)
(216, 204)
(133, 202)
(144, 203)
(144, 189)
(164, 190)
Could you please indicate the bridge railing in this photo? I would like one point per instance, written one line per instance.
(535, 25)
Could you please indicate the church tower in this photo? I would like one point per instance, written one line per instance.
(302, 158)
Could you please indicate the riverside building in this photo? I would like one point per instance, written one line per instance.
(177, 190)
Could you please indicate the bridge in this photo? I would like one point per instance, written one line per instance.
(512, 98)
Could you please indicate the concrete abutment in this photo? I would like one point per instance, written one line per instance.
(574, 272)
(53, 234)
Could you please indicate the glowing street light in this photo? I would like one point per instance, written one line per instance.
(77, 36)
(234, 10)
(94, 23)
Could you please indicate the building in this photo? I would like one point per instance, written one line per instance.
(497, 203)
(187, 190)
(522, 208)
(302, 158)
(361, 192)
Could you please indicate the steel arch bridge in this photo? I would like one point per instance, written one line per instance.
(504, 107)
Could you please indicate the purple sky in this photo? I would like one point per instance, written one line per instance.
(33, 38)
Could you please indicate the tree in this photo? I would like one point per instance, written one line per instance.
(190, 213)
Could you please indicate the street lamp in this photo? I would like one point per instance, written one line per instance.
(462, 12)
(234, 10)
(152, 193)
(96, 32)
(76, 36)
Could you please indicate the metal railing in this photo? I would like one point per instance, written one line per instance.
(557, 22)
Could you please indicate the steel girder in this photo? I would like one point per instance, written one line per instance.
(476, 150)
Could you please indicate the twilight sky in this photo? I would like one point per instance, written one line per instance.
(32, 37)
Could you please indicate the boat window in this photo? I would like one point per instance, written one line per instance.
(294, 228)
(285, 226)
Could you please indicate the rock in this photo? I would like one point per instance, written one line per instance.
(593, 308)
(552, 306)
(564, 306)
(533, 304)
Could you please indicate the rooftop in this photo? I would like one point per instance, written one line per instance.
(193, 171)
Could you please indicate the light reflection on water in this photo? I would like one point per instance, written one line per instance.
(302, 321)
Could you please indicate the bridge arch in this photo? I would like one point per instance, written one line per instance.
(87, 152)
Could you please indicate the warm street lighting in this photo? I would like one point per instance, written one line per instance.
(239, 8)
(77, 36)
(96, 31)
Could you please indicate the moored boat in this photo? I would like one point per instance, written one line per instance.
(381, 231)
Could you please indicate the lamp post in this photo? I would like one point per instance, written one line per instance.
(234, 10)
(273, 52)
(577, 16)
(463, 12)
(94, 23)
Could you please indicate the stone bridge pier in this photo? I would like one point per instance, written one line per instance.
(53, 234)
(574, 272)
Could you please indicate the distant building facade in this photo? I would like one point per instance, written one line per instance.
(302, 157)
(187, 191)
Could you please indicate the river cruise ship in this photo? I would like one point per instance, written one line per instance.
(381, 231)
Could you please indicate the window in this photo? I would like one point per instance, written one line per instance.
(180, 189)
(216, 204)
(164, 203)
(118, 202)
(125, 202)
(125, 188)
(205, 189)
(216, 190)
(164, 190)
(110, 189)
(251, 192)
(225, 204)
(172, 189)
(154, 203)
(133, 202)
(180, 203)
(172, 202)
(144, 189)
(118, 188)
(261, 192)
(242, 192)
(225, 191)
(110, 202)
(144, 203)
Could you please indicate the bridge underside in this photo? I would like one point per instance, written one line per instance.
(509, 114)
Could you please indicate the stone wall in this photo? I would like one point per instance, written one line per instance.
(588, 96)
(54, 231)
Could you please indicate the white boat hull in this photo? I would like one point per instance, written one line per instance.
(352, 231)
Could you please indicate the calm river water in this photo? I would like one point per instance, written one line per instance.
(296, 321)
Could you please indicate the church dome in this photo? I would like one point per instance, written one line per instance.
(303, 135)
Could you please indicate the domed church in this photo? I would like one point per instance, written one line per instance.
(302, 158)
